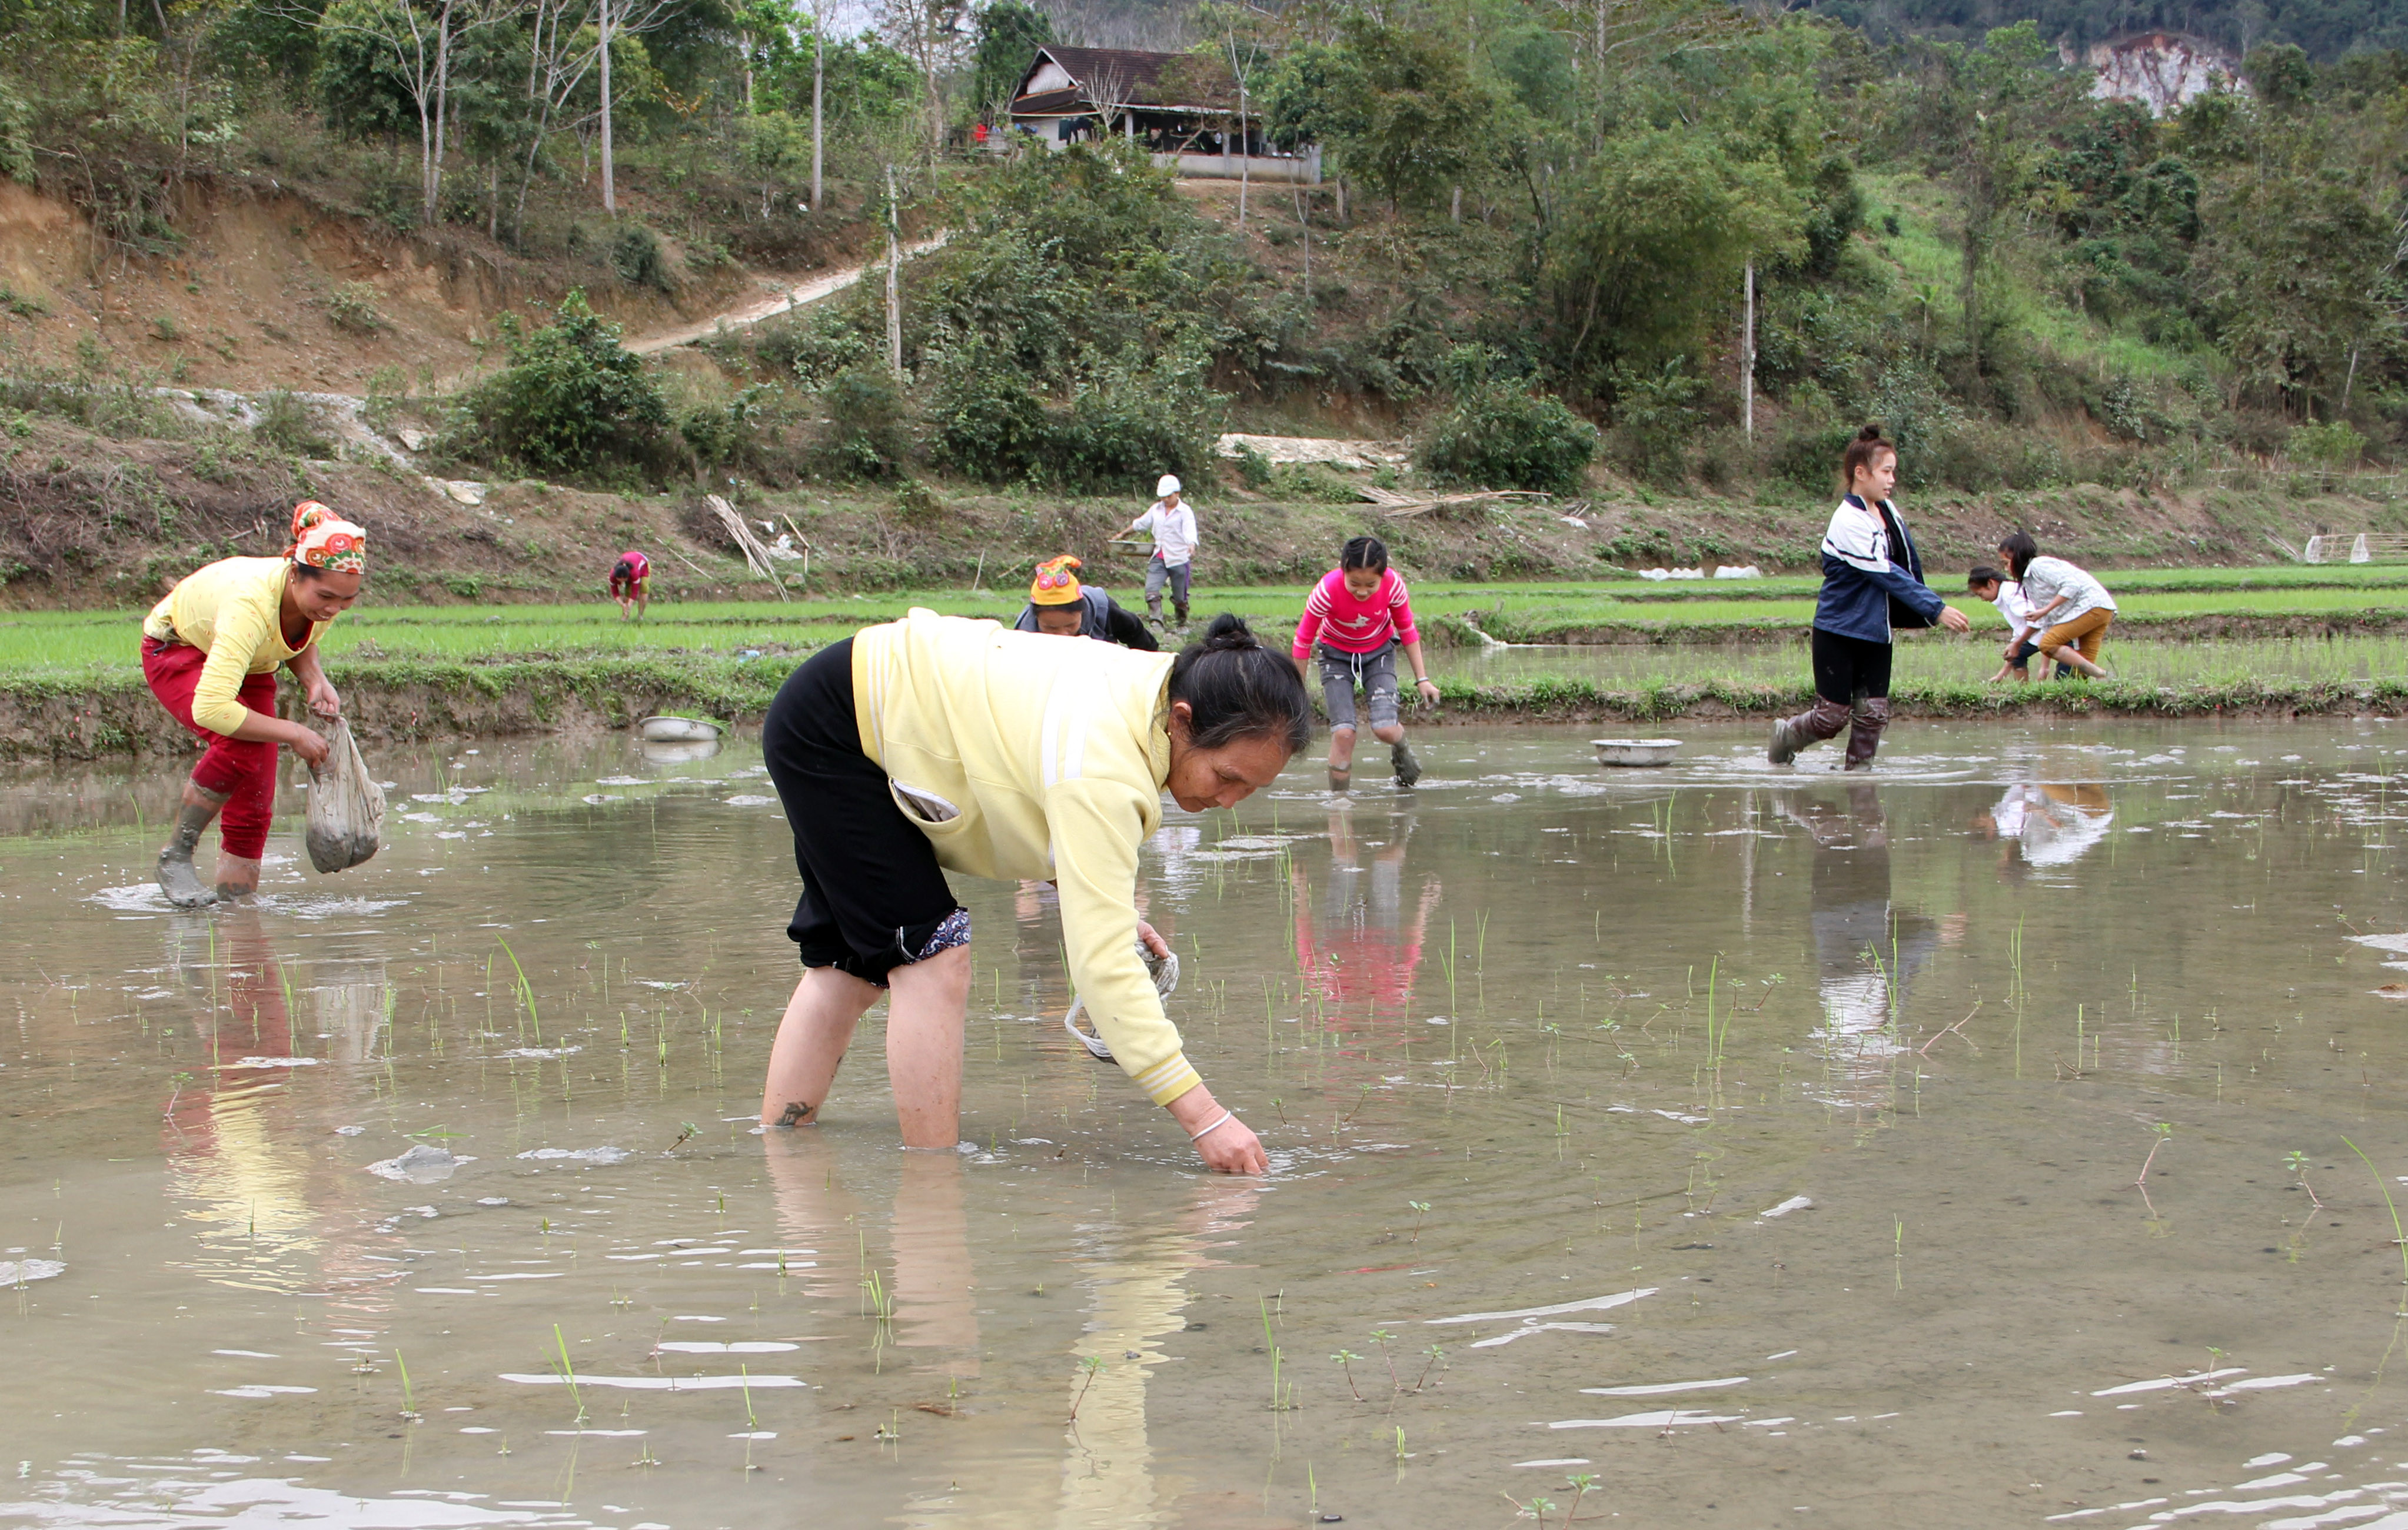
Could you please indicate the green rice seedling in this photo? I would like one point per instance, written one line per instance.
(1430, 1358)
(1420, 1210)
(2161, 1132)
(2298, 1164)
(1344, 1360)
(1401, 1453)
(2399, 1234)
(1580, 1486)
(568, 1374)
(1381, 1336)
(1090, 1366)
(409, 1403)
(525, 991)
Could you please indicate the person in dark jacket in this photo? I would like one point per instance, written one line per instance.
(1060, 607)
(1872, 584)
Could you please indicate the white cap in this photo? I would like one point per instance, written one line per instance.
(1170, 484)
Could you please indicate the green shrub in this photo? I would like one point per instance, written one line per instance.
(815, 347)
(987, 424)
(635, 255)
(1656, 415)
(570, 398)
(1499, 435)
(353, 307)
(865, 429)
(2332, 446)
(1312, 482)
(724, 431)
(285, 424)
(1254, 468)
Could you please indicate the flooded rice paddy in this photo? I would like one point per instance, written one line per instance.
(1704, 1145)
(1932, 660)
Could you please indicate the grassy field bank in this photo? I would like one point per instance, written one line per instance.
(70, 686)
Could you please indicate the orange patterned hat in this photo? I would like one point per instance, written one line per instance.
(321, 540)
(1056, 583)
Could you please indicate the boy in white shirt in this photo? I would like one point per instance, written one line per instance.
(1173, 524)
(1987, 583)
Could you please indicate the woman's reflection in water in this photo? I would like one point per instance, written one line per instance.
(1865, 951)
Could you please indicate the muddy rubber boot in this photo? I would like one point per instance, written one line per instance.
(1341, 779)
(1792, 733)
(1408, 769)
(177, 877)
(1182, 610)
(1154, 613)
(1866, 721)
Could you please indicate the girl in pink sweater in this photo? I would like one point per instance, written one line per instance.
(1357, 617)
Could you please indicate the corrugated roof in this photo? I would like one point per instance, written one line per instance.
(1131, 76)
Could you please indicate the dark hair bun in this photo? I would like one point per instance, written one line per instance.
(1871, 433)
(1229, 634)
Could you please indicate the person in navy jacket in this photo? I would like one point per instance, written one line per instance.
(1872, 584)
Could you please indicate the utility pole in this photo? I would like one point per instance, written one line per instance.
(1747, 362)
(610, 187)
(819, 73)
(894, 282)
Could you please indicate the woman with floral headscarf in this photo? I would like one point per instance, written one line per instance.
(210, 651)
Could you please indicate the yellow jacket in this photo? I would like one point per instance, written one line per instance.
(230, 610)
(1050, 756)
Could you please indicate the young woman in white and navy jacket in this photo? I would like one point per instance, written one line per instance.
(1872, 584)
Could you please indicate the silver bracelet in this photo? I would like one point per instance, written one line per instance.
(1226, 1117)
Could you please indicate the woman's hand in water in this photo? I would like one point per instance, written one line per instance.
(1229, 1148)
(1955, 619)
(1151, 938)
(1233, 1149)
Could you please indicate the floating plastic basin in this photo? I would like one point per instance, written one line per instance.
(1635, 751)
(677, 730)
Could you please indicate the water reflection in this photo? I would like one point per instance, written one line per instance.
(2050, 824)
(1867, 952)
(1359, 936)
(1137, 1293)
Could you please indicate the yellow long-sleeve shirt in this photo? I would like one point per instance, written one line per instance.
(1053, 755)
(231, 610)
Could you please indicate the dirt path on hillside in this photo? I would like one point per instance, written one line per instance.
(819, 287)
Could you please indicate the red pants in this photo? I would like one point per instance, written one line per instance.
(241, 770)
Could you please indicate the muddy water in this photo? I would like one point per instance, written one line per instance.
(1762, 1147)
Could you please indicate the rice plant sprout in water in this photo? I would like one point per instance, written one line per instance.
(1090, 1366)
(2399, 1234)
(1344, 1360)
(2297, 1162)
(568, 1374)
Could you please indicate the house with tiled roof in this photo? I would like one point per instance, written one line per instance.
(1186, 108)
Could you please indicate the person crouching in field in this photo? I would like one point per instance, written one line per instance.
(2069, 607)
(630, 584)
(210, 651)
(1061, 607)
(1357, 617)
(1872, 583)
(1987, 583)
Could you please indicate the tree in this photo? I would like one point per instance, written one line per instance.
(1650, 244)
(1409, 116)
(409, 44)
(1010, 32)
(930, 33)
(569, 397)
(1982, 115)
(2299, 269)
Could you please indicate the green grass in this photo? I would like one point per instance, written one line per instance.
(64, 644)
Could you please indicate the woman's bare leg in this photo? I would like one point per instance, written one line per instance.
(812, 1040)
(926, 1013)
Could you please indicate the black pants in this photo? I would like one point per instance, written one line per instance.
(874, 897)
(1849, 669)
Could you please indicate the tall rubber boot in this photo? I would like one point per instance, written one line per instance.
(177, 877)
(1182, 610)
(1866, 722)
(1154, 611)
(1792, 733)
(1409, 770)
